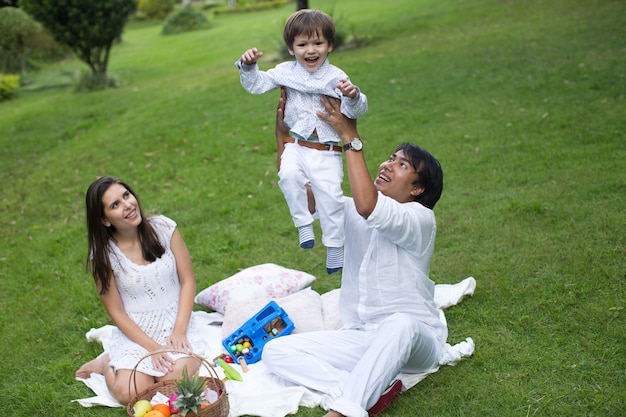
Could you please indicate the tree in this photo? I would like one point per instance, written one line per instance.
(302, 4)
(89, 28)
(17, 31)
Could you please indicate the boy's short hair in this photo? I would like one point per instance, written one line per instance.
(309, 22)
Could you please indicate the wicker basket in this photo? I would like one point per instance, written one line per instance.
(219, 408)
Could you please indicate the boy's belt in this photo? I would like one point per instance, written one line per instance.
(314, 145)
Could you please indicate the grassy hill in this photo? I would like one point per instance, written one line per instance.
(521, 101)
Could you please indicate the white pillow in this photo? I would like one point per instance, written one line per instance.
(260, 281)
(304, 309)
(330, 310)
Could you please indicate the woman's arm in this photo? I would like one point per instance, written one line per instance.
(362, 187)
(178, 338)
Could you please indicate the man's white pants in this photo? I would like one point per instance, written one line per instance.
(354, 367)
(324, 171)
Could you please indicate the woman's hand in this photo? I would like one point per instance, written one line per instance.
(344, 126)
(179, 342)
(162, 361)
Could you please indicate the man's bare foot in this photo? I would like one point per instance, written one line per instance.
(333, 413)
(94, 366)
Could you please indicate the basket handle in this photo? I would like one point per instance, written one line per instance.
(208, 365)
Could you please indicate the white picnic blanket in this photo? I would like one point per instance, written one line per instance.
(250, 397)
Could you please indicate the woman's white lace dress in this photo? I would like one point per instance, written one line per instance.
(150, 294)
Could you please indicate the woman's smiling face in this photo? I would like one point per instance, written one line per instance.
(120, 208)
(310, 52)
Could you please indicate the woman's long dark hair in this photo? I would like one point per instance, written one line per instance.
(99, 236)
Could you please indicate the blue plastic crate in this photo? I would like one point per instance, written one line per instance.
(248, 340)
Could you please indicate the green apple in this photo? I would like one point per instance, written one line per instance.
(141, 408)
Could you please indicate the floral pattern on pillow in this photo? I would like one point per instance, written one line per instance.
(260, 281)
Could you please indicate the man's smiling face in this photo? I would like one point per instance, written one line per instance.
(397, 178)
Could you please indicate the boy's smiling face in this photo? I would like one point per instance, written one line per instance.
(310, 52)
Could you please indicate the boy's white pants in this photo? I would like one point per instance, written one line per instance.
(324, 171)
(354, 367)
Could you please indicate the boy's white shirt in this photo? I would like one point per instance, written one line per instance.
(303, 94)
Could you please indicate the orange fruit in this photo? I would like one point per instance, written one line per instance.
(163, 408)
(154, 413)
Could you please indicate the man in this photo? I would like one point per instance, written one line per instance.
(390, 321)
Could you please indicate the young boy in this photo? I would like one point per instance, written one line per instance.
(312, 154)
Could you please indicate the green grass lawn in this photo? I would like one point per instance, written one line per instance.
(521, 101)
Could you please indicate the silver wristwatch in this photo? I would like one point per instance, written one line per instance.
(354, 145)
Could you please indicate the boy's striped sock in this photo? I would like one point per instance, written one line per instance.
(306, 235)
(334, 260)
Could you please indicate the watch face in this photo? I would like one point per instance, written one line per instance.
(357, 145)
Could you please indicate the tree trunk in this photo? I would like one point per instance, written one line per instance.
(302, 4)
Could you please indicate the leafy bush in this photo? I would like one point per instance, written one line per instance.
(248, 6)
(9, 85)
(187, 19)
(346, 36)
(88, 81)
(209, 4)
(156, 9)
(87, 28)
(17, 30)
(24, 42)
(45, 48)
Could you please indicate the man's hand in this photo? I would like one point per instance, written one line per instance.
(281, 128)
(344, 126)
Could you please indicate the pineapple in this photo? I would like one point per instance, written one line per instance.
(190, 393)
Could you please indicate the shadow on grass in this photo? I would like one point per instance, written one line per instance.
(55, 82)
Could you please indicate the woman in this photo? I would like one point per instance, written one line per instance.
(145, 280)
